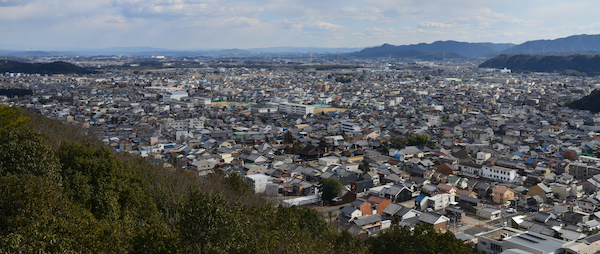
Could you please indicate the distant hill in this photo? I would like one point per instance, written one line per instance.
(590, 102)
(455, 47)
(388, 50)
(571, 64)
(58, 67)
(577, 43)
(304, 50)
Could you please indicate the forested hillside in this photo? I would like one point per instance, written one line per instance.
(570, 64)
(61, 192)
(57, 67)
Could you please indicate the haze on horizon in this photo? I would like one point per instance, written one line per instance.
(211, 24)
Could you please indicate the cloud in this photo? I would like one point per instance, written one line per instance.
(250, 23)
(326, 26)
(242, 21)
(430, 24)
(4, 3)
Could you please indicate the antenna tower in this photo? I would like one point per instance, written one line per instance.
(309, 56)
(230, 57)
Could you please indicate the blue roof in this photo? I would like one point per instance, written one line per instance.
(530, 160)
(420, 198)
(398, 155)
(518, 153)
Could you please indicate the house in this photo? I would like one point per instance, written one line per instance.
(497, 173)
(439, 201)
(590, 204)
(483, 190)
(446, 188)
(257, 181)
(447, 169)
(371, 224)
(378, 203)
(575, 217)
(540, 190)
(489, 213)
(397, 193)
(399, 213)
(466, 193)
(361, 186)
(502, 194)
(349, 213)
(502, 239)
(437, 221)
(310, 153)
(347, 197)
(563, 191)
(364, 207)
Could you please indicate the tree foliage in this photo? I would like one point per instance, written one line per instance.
(11, 117)
(330, 188)
(22, 151)
(422, 239)
(288, 138)
(412, 140)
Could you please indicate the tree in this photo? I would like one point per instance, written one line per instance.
(422, 239)
(288, 138)
(330, 188)
(365, 167)
(11, 117)
(22, 151)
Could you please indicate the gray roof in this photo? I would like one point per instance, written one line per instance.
(365, 220)
(348, 210)
(536, 241)
(429, 217)
(544, 188)
(592, 238)
(392, 208)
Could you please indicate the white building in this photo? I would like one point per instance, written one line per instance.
(300, 109)
(326, 161)
(201, 101)
(510, 240)
(497, 173)
(174, 96)
(258, 182)
(192, 123)
(346, 126)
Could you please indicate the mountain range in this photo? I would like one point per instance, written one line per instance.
(576, 44)
(459, 49)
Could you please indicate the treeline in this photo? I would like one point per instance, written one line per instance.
(590, 102)
(570, 64)
(61, 192)
(57, 67)
(12, 92)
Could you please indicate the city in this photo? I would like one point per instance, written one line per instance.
(494, 156)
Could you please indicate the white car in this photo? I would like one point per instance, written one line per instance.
(511, 210)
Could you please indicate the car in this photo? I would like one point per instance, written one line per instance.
(511, 210)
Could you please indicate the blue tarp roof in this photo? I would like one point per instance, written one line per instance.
(420, 198)
(530, 160)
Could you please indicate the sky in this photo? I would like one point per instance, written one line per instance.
(243, 24)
